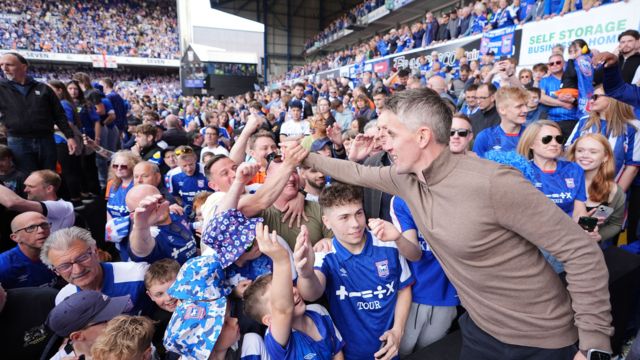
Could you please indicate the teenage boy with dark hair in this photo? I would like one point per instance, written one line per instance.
(296, 331)
(366, 280)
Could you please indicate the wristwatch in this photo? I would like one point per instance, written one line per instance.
(595, 354)
(301, 191)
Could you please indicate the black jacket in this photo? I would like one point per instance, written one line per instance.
(481, 120)
(34, 115)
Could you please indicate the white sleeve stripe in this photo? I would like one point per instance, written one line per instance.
(394, 217)
(406, 272)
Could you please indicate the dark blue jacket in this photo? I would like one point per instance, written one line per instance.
(616, 88)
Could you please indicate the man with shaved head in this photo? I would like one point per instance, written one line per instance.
(155, 233)
(146, 172)
(21, 266)
(175, 135)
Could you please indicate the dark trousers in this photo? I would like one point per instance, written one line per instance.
(633, 213)
(478, 345)
(71, 173)
(31, 154)
(90, 182)
(567, 127)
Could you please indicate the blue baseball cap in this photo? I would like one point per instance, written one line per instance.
(317, 145)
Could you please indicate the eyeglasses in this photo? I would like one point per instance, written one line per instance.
(31, 228)
(184, 150)
(595, 97)
(547, 139)
(482, 97)
(82, 259)
(559, 62)
(119, 166)
(460, 132)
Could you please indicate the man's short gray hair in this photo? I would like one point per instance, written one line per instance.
(370, 125)
(422, 107)
(62, 239)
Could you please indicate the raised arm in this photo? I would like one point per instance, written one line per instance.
(239, 150)
(12, 201)
(244, 174)
(281, 299)
(311, 283)
(141, 242)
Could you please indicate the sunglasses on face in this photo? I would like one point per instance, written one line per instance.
(547, 139)
(595, 97)
(460, 132)
(119, 166)
(559, 62)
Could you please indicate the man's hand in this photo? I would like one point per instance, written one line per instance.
(294, 154)
(361, 147)
(303, 255)
(606, 58)
(334, 133)
(254, 122)
(176, 209)
(246, 172)
(390, 349)
(269, 245)
(149, 211)
(72, 145)
(294, 211)
(384, 230)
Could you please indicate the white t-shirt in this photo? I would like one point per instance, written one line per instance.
(60, 214)
(219, 150)
(295, 128)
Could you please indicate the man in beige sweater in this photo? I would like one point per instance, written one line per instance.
(485, 223)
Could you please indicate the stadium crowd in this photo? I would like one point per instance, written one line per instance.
(119, 27)
(336, 218)
(436, 27)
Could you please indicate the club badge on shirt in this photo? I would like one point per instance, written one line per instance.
(201, 183)
(570, 183)
(383, 268)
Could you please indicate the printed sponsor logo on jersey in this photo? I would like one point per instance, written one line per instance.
(310, 356)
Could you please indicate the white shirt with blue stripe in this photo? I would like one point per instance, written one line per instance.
(362, 291)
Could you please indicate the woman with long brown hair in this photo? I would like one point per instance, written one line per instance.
(605, 198)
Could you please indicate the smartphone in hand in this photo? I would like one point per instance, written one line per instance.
(588, 223)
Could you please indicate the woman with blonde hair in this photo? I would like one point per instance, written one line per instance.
(120, 182)
(605, 198)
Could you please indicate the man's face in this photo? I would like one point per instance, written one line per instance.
(398, 141)
(296, 113)
(222, 173)
(378, 100)
(262, 147)
(556, 64)
(188, 164)
(346, 221)
(293, 184)
(313, 178)
(514, 111)
(298, 91)
(144, 174)
(485, 101)
(470, 98)
(627, 45)
(211, 137)
(12, 68)
(143, 141)
(37, 236)
(534, 100)
(85, 267)
(35, 188)
(464, 75)
(458, 143)
(158, 293)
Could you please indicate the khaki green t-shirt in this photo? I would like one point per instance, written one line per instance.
(317, 230)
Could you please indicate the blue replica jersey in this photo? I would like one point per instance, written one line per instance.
(503, 18)
(120, 279)
(120, 107)
(302, 346)
(432, 287)
(626, 150)
(252, 269)
(17, 270)
(564, 186)
(69, 114)
(549, 85)
(173, 241)
(584, 71)
(107, 108)
(116, 205)
(478, 23)
(494, 138)
(88, 118)
(187, 187)
(466, 110)
(362, 292)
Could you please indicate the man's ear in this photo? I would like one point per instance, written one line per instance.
(425, 136)
(325, 221)
(14, 237)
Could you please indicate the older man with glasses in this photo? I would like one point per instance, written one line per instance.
(21, 266)
(72, 254)
(561, 108)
